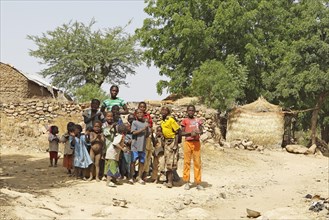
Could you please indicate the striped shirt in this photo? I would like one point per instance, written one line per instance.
(109, 103)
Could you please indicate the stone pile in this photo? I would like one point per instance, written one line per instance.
(243, 144)
(40, 111)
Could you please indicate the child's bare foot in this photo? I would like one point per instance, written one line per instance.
(97, 179)
(90, 178)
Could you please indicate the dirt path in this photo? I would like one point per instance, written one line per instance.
(273, 183)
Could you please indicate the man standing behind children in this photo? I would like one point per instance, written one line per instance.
(191, 129)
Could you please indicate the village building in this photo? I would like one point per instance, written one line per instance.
(261, 122)
(18, 85)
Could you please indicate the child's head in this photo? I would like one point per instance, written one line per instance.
(109, 117)
(97, 127)
(115, 109)
(122, 129)
(77, 129)
(89, 129)
(190, 111)
(165, 111)
(114, 90)
(70, 126)
(158, 131)
(94, 104)
(131, 118)
(139, 115)
(142, 106)
(53, 129)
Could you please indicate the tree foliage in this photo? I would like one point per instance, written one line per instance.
(75, 54)
(220, 84)
(301, 77)
(281, 44)
(88, 92)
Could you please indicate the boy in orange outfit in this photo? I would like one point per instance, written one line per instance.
(191, 129)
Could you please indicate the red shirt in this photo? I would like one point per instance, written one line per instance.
(192, 124)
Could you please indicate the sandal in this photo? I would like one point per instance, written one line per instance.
(111, 184)
(141, 182)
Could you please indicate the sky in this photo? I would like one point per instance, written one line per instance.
(22, 18)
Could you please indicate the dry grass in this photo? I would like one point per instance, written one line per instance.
(61, 122)
(30, 135)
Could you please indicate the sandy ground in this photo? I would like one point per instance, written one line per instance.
(272, 182)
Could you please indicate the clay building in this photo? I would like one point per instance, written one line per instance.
(15, 84)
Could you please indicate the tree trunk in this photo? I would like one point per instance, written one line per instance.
(314, 118)
(325, 133)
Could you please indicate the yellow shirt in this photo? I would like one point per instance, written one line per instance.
(169, 127)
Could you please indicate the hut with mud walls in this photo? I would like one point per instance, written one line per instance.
(18, 85)
(260, 121)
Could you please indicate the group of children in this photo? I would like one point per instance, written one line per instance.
(133, 151)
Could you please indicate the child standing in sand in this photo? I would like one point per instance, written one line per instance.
(97, 141)
(112, 156)
(68, 152)
(158, 171)
(53, 145)
(191, 129)
(109, 131)
(140, 131)
(81, 156)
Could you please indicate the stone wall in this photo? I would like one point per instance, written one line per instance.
(39, 111)
(44, 111)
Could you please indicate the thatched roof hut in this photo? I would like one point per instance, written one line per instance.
(260, 122)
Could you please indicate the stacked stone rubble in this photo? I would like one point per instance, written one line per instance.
(41, 111)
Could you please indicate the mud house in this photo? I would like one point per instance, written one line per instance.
(16, 84)
(260, 121)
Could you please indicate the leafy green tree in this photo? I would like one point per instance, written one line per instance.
(282, 44)
(301, 77)
(88, 92)
(180, 35)
(220, 84)
(74, 54)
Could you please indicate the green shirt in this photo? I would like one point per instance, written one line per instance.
(109, 103)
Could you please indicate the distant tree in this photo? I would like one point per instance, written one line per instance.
(88, 92)
(76, 55)
(220, 84)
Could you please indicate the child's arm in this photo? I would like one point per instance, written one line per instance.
(52, 137)
(137, 132)
(63, 138)
(72, 140)
(93, 137)
(123, 148)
